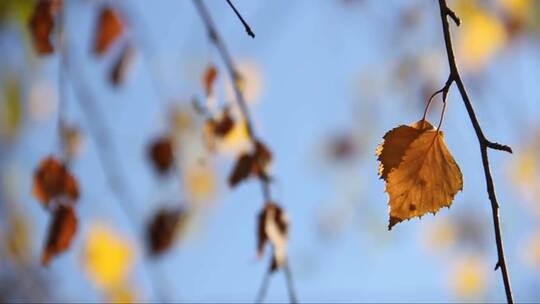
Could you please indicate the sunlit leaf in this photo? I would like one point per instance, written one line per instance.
(61, 232)
(395, 142)
(426, 179)
(108, 257)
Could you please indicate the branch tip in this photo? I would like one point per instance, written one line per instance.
(500, 147)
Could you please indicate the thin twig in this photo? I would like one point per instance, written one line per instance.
(261, 294)
(246, 25)
(482, 140)
(241, 102)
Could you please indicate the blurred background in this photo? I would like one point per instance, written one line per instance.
(324, 80)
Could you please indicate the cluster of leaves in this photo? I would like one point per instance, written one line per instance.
(420, 174)
(57, 190)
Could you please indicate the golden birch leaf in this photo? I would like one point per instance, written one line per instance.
(426, 180)
(395, 142)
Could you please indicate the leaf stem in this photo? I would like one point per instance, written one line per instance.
(483, 142)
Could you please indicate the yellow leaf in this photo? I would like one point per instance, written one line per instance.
(482, 35)
(11, 108)
(395, 142)
(468, 277)
(426, 180)
(200, 183)
(108, 257)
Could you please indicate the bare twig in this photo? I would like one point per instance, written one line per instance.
(241, 102)
(484, 143)
(246, 25)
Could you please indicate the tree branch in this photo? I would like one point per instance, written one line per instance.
(246, 25)
(483, 142)
(216, 39)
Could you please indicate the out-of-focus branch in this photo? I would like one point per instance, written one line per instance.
(483, 142)
(216, 39)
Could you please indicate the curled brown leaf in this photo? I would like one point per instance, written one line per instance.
(60, 234)
(42, 25)
(53, 181)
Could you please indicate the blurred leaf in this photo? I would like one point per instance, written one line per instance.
(53, 181)
(108, 257)
(200, 182)
(12, 108)
(61, 232)
(109, 28)
(468, 277)
(222, 125)
(161, 154)
(273, 226)
(427, 177)
(249, 164)
(209, 77)
(19, 11)
(482, 34)
(42, 24)
(162, 229)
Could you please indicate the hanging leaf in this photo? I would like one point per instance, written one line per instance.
(53, 181)
(109, 28)
(242, 170)
(42, 25)
(251, 164)
(221, 126)
(161, 154)
(61, 232)
(426, 179)
(122, 65)
(395, 142)
(209, 77)
(273, 227)
(162, 230)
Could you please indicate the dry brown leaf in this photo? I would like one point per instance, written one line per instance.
(53, 181)
(61, 232)
(223, 125)
(242, 169)
(110, 26)
(251, 164)
(395, 142)
(161, 154)
(162, 229)
(426, 180)
(262, 158)
(273, 226)
(42, 25)
(209, 77)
